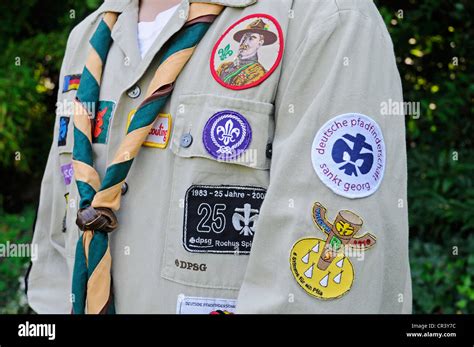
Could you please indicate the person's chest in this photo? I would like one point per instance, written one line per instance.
(201, 91)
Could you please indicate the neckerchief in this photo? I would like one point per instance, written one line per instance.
(92, 280)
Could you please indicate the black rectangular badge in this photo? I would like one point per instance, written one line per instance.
(221, 219)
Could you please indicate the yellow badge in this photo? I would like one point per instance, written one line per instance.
(321, 266)
(160, 132)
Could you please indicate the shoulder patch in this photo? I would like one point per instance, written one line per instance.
(348, 155)
(321, 266)
(64, 226)
(102, 122)
(67, 172)
(248, 52)
(63, 126)
(71, 82)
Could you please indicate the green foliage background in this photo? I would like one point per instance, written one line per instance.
(433, 43)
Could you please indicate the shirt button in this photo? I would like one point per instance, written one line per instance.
(269, 151)
(134, 92)
(186, 140)
(124, 188)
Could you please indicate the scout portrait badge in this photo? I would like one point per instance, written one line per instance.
(322, 267)
(248, 52)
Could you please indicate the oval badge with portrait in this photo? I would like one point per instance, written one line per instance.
(248, 52)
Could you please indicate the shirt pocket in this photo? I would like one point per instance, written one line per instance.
(214, 203)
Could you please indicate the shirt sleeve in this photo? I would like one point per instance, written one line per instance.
(49, 278)
(332, 235)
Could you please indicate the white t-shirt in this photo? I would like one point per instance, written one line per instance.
(149, 31)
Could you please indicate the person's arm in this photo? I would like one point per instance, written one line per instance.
(49, 278)
(344, 64)
(48, 286)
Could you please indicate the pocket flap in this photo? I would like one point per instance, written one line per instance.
(205, 137)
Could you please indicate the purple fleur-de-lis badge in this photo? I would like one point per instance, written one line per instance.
(226, 135)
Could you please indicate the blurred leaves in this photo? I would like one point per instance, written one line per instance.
(14, 229)
(433, 43)
(26, 98)
(33, 37)
(442, 281)
(434, 47)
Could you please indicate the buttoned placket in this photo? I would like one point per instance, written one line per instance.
(125, 36)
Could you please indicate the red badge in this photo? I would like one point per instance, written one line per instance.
(248, 52)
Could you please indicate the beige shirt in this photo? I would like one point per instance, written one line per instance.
(337, 59)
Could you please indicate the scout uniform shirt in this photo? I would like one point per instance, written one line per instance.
(273, 181)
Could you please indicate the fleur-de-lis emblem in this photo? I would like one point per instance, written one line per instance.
(225, 52)
(245, 224)
(345, 229)
(228, 132)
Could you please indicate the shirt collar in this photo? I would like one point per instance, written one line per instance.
(124, 32)
(121, 5)
(229, 3)
(115, 5)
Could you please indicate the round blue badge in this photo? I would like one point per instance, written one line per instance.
(226, 135)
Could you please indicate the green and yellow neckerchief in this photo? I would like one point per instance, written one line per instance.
(92, 281)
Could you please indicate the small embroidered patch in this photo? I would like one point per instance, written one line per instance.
(63, 126)
(248, 52)
(221, 219)
(226, 135)
(160, 132)
(190, 266)
(199, 305)
(348, 155)
(321, 266)
(71, 82)
(64, 226)
(103, 122)
(67, 172)
(220, 313)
